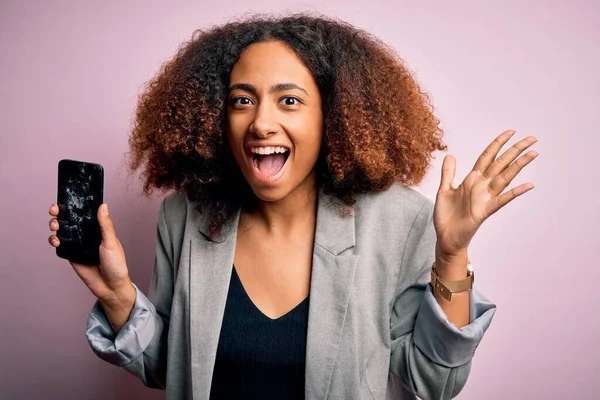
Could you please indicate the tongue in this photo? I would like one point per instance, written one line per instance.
(271, 164)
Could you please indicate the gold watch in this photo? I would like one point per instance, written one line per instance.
(447, 288)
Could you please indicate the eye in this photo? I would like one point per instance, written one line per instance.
(244, 101)
(291, 101)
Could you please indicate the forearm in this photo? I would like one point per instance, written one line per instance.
(454, 268)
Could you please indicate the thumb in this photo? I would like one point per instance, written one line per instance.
(107, 227)
(448, 171)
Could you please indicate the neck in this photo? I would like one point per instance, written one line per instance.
(283, 216)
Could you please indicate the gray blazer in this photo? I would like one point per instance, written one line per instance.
(375, 331)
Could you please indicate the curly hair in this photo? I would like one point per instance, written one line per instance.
(378, 125)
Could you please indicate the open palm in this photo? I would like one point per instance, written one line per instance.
(460, 211)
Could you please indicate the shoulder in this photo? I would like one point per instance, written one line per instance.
(391, 215)
(174, 204)
(173, 213)
(399, 202)
(179, 212)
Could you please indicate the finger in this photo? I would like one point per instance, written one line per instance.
(448, 173)
(505, 198)
(509, 156)
(107, 227)
(58, 210)
(490, 152)
(53, 240)
(55, 224)
(501, 181)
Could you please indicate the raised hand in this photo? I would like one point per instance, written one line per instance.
(460, 211)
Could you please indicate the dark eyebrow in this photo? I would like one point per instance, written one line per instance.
(275, 88)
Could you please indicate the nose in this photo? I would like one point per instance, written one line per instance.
(265, 122)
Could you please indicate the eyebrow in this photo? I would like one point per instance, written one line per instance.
(280, 87)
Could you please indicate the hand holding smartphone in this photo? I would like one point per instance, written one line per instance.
(85, 235)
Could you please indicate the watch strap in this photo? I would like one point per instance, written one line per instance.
(447, 288)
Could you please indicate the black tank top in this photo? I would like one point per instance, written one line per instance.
(259, 357)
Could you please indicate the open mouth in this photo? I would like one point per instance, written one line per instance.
(269, 161)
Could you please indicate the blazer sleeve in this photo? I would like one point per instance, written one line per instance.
(140, 347)
(430, 355)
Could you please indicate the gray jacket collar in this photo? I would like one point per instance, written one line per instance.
(334, 230)
(333, 269)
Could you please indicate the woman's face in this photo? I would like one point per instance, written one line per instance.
(275, 120)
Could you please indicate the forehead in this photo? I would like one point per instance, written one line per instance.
(270, 62)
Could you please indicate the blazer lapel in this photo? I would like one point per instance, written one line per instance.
(210, 266)
(334, 264)
(211, 263)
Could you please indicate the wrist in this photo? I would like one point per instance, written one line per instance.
(120, 299)
(119, 306)
(452, 267)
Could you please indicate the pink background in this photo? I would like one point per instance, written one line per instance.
(70, 73)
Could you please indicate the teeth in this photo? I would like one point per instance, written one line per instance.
(268, 150)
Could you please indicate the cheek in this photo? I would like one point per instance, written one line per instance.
(235, 135)
(236, 147)
(309, 136)
(308, 149)
(316, 138)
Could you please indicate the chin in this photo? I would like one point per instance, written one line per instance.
(269, 193)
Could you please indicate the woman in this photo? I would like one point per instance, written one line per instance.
(293, 259)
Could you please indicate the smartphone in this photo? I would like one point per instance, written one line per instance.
(80, 194)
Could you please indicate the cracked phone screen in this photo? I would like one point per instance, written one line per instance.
(80, 193)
